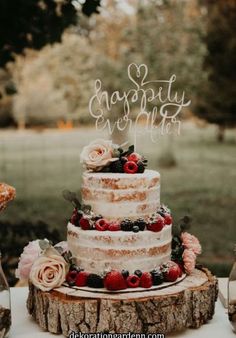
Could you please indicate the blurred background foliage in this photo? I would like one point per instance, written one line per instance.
(51, 51)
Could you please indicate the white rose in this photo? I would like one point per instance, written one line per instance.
(97, 155)
(49, 271)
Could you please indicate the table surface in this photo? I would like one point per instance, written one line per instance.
(23, 326)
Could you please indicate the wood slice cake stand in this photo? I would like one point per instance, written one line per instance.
(190, 303)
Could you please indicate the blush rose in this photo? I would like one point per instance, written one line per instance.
(98, 154)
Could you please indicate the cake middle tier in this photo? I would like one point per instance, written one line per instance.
(96, 251)
(118, 196)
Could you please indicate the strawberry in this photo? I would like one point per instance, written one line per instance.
(146, 280)
(71, 277)
(156, 225)
(81, 278)
(101, 224)
(134, 157)
(172, 272)
(114, 280)
(84, 223)
(114, 227)
(130, 167)
(168, 219)
(133, 281)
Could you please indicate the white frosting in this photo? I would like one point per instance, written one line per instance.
(96, 251)
(118, 196)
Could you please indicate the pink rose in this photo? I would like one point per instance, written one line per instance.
(189, 259)
(191, 242)
(49, 271)
(98, 154)
(30, 253)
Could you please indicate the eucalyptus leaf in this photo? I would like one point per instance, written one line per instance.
(71, 197)
(44, 244)
(86, 209)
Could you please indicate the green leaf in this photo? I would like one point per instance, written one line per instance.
(71, 197)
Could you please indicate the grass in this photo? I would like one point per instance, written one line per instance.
(202, 184)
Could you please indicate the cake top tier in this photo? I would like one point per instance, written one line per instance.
(116, 181)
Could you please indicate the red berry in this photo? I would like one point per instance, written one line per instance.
(180, 269)
(81, 278)
(101, 224)
(71, 276)
(172, 272)
(168, 219)
(133, 281)
(134, 157)
(114, 280)
(146, 280)
(84, 223)
(156, 225)
(130, 167)
(114, 227)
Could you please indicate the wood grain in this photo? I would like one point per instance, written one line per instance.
(190, 303)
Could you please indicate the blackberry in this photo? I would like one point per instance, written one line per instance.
(161, 213)
(157, 277)
(141, 167)
(116, 167)
(126, 225)
(94, 281)
(138, 273)
(135, 228)
(140, 223)
(125, 273)
(123, 160)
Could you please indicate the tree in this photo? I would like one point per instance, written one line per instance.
(217, 101)
(35, 23)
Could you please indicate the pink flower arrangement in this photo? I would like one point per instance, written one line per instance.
(191, 242)
(30, 253)
(189, 259)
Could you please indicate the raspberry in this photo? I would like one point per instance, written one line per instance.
(126, 225)
(81, 278)
(146, 280)
(156, 225)
(75, 217)
(84, 223)
(141, 167)
(132, 281)
(114, 280)
(114, 227)
(116, 167)
(134, 157)
(94, 281)
(101, 224)
(172, 272)
(71, 277)
(130, 167)
(168, 219)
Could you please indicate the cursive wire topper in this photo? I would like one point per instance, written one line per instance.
(162, 118)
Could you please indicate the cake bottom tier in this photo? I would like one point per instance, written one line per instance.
(189, 303)
(98, 251)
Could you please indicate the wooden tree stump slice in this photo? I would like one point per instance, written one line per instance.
(189, 303)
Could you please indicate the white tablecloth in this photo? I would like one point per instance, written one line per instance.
(24, 327)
